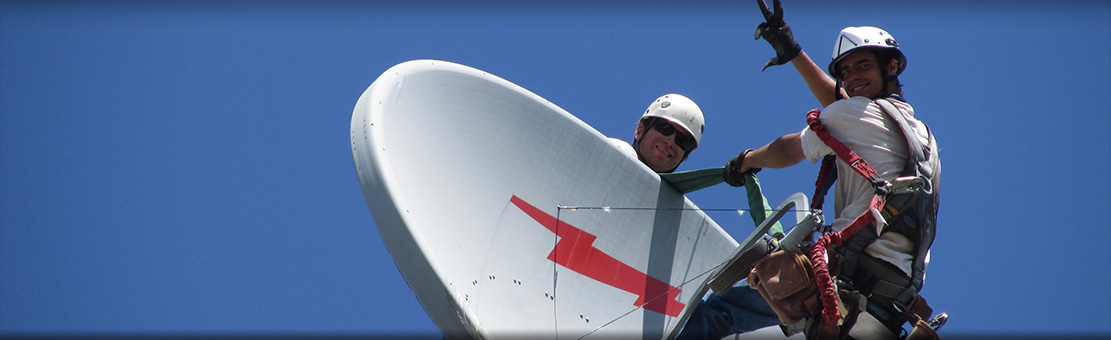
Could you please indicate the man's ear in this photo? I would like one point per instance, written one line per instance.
(638, 132)
(893, 66)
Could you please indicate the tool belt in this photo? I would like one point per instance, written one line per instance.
(786, 281)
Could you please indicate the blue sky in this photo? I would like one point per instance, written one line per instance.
(184, 167)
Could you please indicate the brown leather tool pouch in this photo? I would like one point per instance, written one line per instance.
(923, 331)
(919, 310)
(786, 281)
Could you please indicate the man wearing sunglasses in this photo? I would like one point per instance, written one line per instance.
(668, 131)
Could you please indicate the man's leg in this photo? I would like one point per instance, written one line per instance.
(741, 309)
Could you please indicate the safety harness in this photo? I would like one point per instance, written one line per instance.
(908, 207)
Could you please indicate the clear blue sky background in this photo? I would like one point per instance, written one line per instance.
(179, 167)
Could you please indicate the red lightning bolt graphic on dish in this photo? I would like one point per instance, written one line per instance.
(575, 251)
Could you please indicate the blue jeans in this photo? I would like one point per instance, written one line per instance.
(741, 309)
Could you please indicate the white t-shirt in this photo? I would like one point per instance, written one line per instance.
(862, 126)
(625, 148)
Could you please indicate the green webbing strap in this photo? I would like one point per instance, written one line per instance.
(758, 205)
(689, 181)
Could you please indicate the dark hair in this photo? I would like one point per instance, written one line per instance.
(884, 57)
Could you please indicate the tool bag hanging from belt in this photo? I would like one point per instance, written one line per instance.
(908, 207)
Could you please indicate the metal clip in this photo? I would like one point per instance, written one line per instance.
(938, 320)
(794, 240)
(910, 184)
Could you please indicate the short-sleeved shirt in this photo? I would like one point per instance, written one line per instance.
(861, 125)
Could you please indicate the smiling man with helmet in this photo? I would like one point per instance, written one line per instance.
(882, 234)
(666, 134)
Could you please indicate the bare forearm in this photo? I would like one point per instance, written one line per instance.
(780, 153)
(821, 85)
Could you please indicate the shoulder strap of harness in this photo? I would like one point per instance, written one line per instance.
(918, 154)
(850, 157)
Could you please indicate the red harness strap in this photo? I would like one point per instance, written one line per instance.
(818, 258)
(843, 151)
(824, 182)
(818, 252)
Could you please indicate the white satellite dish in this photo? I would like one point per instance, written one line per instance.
(509, 217)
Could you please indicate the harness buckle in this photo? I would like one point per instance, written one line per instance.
(909, 184)
(883, 188)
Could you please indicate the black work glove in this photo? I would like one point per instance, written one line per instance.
(778, 34)
(732, 174)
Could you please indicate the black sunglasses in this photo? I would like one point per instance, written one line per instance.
(682, 140)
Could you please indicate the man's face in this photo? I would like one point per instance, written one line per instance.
(861, 76)
(660, 152)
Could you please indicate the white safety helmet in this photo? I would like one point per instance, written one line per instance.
(852, 38)
(680, 110)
